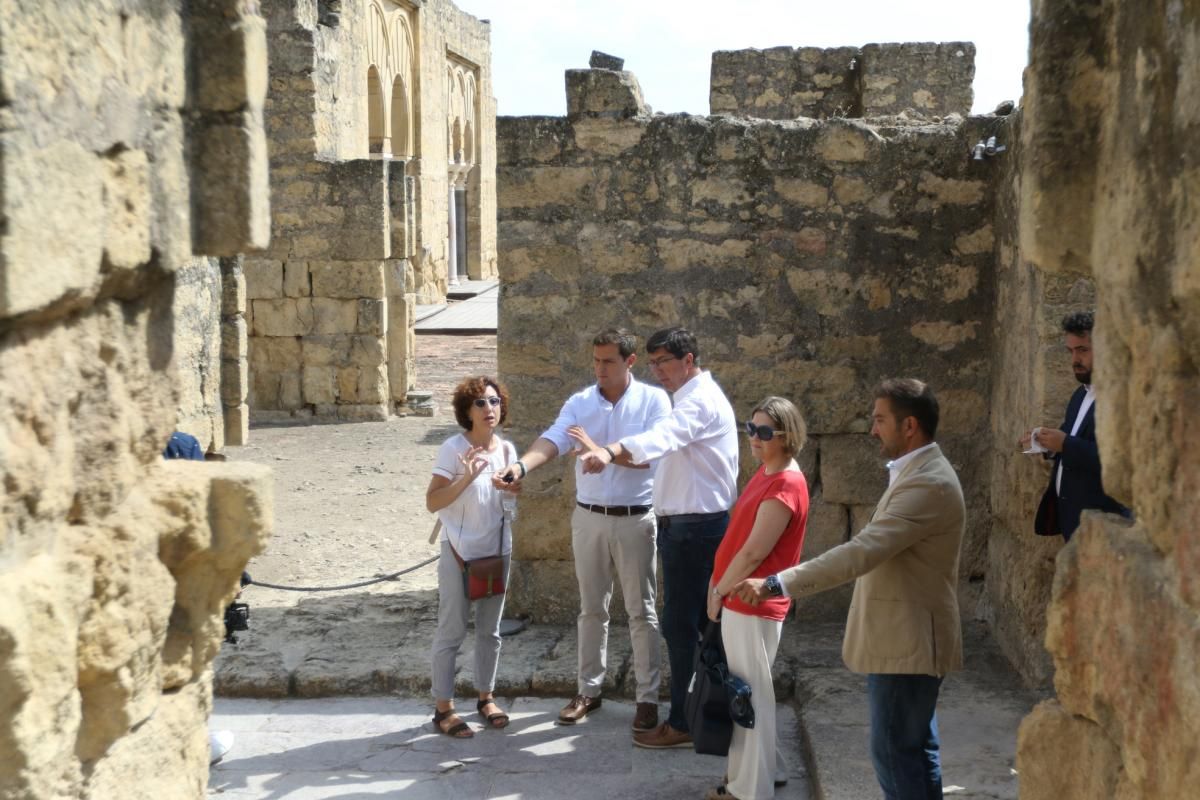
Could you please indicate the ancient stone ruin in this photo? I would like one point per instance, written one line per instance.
(380, 125)
(127, 168)
(840, 221)
(227, 207)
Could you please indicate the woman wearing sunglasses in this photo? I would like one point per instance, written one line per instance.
(475, 525)
(765, 535)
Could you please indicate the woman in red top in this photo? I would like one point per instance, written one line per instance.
(765, 534)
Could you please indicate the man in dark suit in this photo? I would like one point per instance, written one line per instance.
(1075, 480)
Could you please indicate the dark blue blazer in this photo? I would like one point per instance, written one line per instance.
(1081, 487)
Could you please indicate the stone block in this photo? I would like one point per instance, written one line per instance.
(234, 337)
(275, 354)
(235, 381)
(828, 526)
(264, 391)
(933, 78)
(233, 293)
(847, 141)
(1062, 755)
(602, 92)
(333, 316)
(372, 317)
(368, 351)
(127, 203)
(319, 385)
(296, 279)
(852, 469)
(237, 425)
(347, 279)
(264, 279)
(54, 233)
(601, 60)
(230, 188)
(347, 385)
(230, 72)
(362, 412)
(373, 384)
(537, 187)
(290, 395)
(327, 351)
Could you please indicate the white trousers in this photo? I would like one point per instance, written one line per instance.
(750, 645)
(599, 543)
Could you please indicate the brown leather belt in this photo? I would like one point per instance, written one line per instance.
(614, 511)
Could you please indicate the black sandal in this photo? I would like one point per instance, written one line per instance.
(461, 730)
(497, 720)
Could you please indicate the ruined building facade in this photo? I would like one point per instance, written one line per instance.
(380, 130)
(828, 226)
(810, 256)
(127, 169)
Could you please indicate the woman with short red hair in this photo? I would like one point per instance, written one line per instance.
(476, 527)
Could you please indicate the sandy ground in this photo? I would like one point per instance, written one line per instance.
(350, 497)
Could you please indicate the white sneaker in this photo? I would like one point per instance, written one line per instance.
(219, 743)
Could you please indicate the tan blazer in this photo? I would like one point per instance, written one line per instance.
(904, 614)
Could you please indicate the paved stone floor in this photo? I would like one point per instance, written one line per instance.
(370, 747)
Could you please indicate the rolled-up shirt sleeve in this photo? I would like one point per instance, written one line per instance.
(685, 424)
(556, 434)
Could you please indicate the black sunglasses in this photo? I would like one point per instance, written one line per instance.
(765, 433)
(484, 402)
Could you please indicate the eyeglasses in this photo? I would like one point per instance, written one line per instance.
(765, 433)
(657, 363)
(484, 402)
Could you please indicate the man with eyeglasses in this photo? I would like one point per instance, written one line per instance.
(612, 524)
(696, 448)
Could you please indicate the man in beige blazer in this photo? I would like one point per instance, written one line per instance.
(903, 628)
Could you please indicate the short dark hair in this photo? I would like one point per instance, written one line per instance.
(910, 397)
(625, 341)
(1079, 323)
(676, 341)
(472, 388)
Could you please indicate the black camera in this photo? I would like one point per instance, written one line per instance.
(237, 618)
(237, 615)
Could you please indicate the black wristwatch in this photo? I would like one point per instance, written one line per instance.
(773, 586)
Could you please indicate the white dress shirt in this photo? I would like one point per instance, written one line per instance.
(698, 447)
(896, 465)
(1089, 399)
(634, 412)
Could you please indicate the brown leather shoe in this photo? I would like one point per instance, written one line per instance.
(662, 737)
(646, 718)
(577, 709)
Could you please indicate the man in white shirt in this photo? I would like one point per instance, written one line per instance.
(1075, 482)
(696, 485)
(612, 524)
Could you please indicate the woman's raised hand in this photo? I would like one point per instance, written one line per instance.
(474, 461)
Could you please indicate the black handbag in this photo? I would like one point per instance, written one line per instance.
(715, 698)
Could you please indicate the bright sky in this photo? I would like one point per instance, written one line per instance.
(668, 44)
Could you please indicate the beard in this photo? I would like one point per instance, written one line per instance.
(1084, 377)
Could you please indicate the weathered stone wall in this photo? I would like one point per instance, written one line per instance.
(1109, 139)
(198, 341)
(359, 236)
(117, 164)
(929, 78)
(811, 258)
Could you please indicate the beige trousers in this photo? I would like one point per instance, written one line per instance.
(601, 543)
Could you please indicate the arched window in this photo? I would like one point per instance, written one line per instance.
(402, 136)
(377, 141)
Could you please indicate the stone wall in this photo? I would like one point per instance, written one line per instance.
(1109, 140)
(928, 78)
(118, 164)
(360, 194)
(811, 259)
